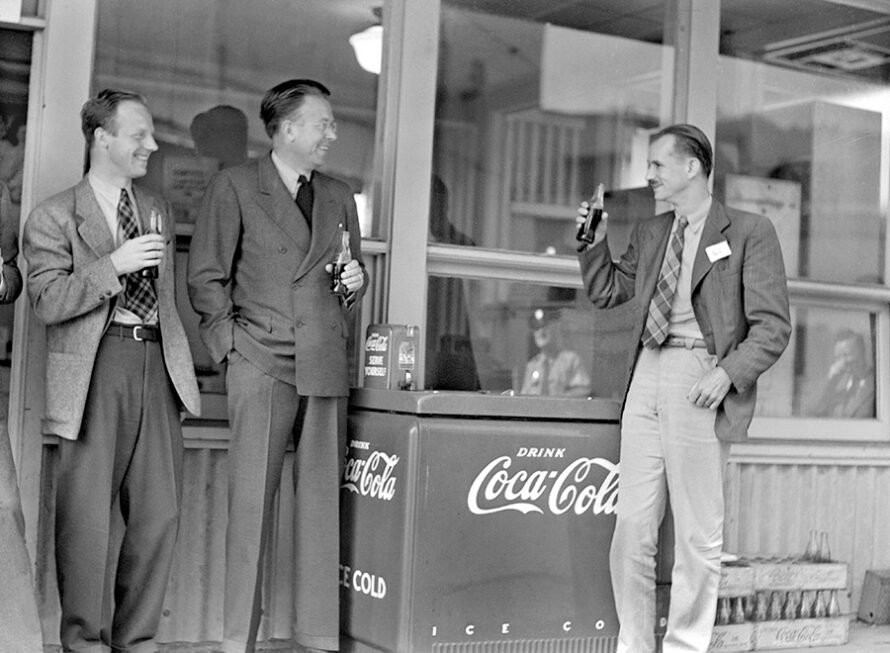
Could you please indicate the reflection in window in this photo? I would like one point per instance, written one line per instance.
(498, 336)
(808, 151)
(204, 67)
(828, 369)
(533, 111)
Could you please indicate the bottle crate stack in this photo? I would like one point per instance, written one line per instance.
(780, 603)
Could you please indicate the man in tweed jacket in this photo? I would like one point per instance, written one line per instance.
(118, 373)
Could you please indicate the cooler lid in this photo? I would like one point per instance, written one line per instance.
(480, 405)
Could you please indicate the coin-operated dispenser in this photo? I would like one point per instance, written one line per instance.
(391, 356)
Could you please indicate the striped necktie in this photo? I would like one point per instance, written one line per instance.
(660, 307)
(139, 293)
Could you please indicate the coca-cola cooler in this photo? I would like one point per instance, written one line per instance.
(475, 522)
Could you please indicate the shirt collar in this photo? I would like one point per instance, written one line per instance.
(288, 175)
(111, 192)
(696, 219)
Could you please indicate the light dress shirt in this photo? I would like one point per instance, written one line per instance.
(288, 175)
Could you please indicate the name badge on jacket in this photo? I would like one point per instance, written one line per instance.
(718, 251)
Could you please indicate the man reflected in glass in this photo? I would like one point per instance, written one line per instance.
(849, 390)
(554, 370)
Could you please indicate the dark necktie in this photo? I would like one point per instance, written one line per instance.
(660, 307)
(139, 293)
(305, 197)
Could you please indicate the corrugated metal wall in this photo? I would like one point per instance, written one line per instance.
(771, 509)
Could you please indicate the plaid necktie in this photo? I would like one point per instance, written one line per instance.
(660, 307)
(304, 198)
(139, 294)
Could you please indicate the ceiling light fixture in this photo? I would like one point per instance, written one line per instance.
(368, 46)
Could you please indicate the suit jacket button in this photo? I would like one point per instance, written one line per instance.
(282, 249)
(298, 324)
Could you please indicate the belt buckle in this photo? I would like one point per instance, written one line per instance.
(136, 334)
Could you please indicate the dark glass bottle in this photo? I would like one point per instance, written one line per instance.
(586, 231)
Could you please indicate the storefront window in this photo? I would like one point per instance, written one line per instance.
(512, 338)
(535, 107)
(828, 368)
(204, 67)
(803, 136)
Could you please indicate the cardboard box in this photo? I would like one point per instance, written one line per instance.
(732, 638)
(801, 633)
(874, 606)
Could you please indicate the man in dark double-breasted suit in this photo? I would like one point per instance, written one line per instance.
(118, 374)
(259, 276)
(712, 315)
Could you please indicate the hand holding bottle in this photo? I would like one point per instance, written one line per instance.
(155, 221)
(591, 220)
(346, 273)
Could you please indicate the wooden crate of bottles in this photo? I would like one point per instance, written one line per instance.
(776, 603)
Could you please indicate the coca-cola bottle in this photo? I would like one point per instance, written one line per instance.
(792, 605)
(750, 605)
(154, 227)
(723, 611)
(586, 231)
(737, 615)
(823, 554)
(775, 606)
(820, 607)
(344, 256)
(834, 610)
(812, 550)
(806, 605)
(761, 608)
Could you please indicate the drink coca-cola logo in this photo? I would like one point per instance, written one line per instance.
(372, 477)
(583, 485)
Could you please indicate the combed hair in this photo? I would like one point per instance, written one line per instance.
(99, 111)
(691, 141)
(283, 99)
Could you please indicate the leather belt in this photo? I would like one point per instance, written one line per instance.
(686, 343)
(138, 332)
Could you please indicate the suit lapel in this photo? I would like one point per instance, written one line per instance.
(273, 198)
(712, 233)
(325, 226)
(91, 223)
